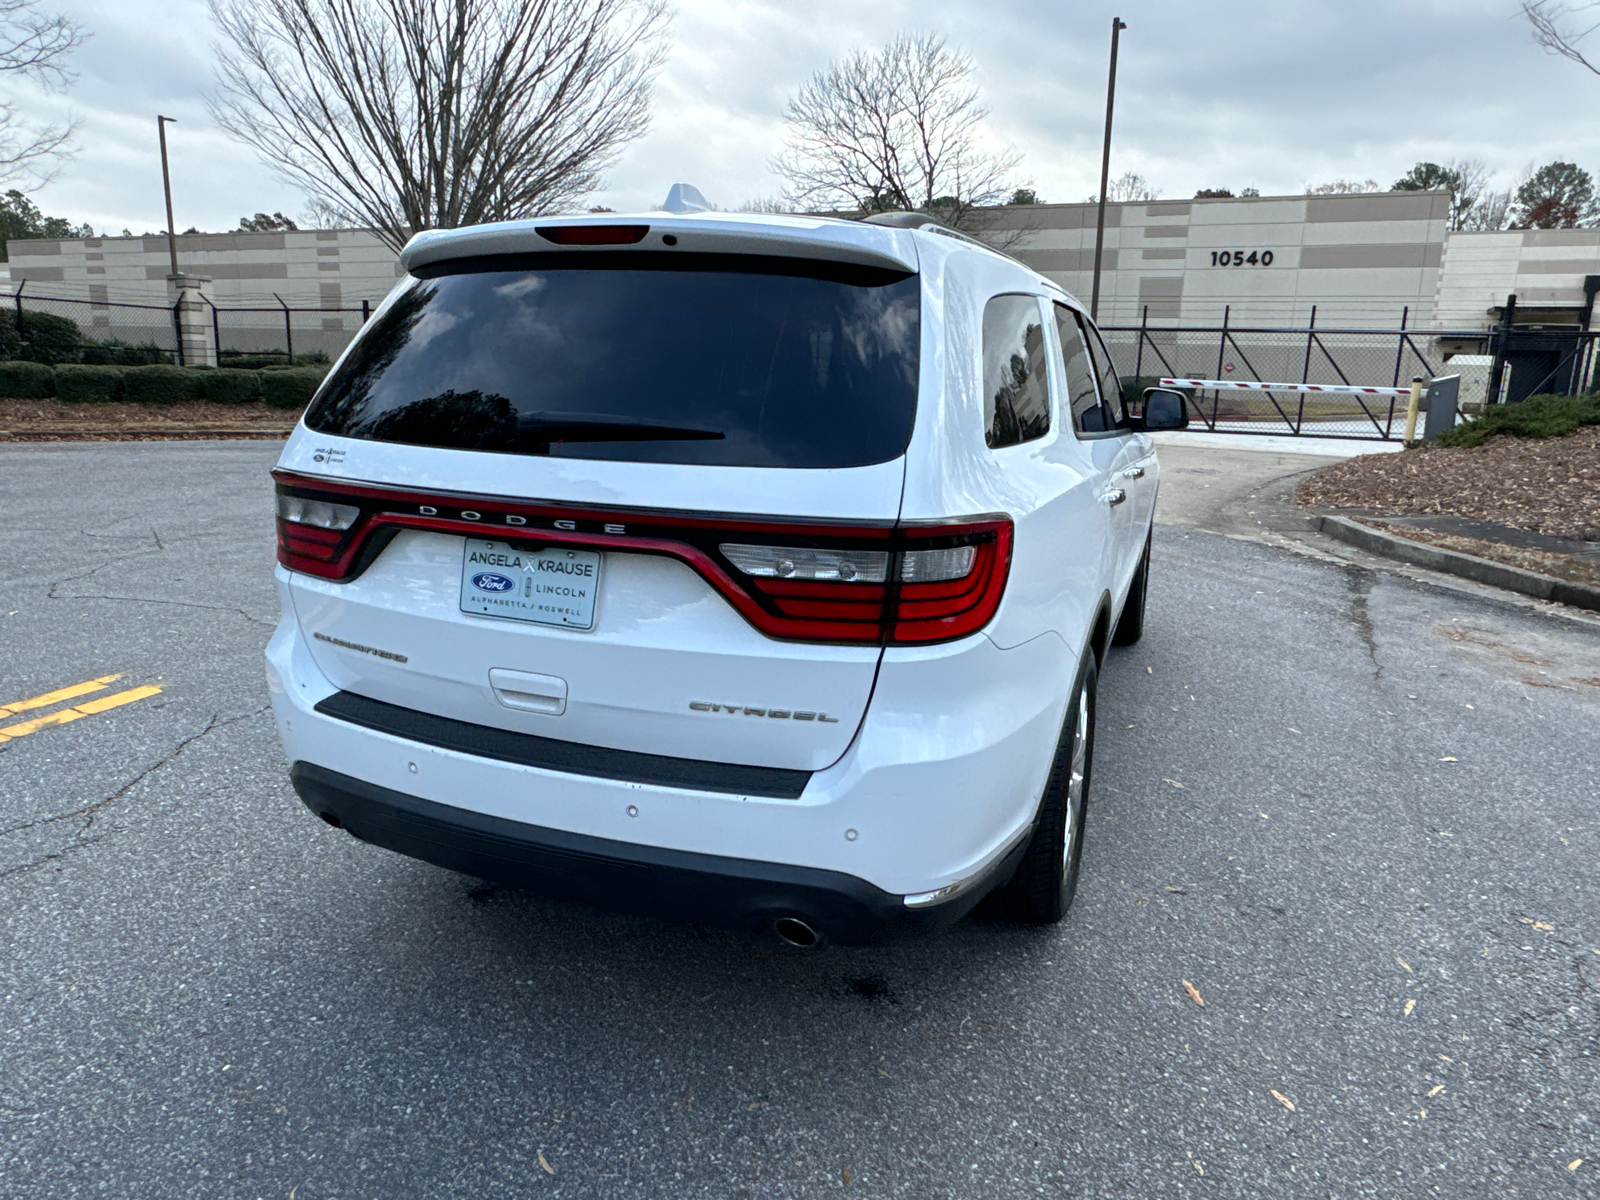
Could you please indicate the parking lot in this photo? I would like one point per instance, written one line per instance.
(1338, 930)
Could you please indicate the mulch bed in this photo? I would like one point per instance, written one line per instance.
(1547, 485)
(57, 421)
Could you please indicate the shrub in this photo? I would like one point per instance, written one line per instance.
(251, 362)
(47, 338)
(229, 385)
(1535, 417)
(80, 384)
(26, 381)
(120, 354)
(291, 388)
(161, 385)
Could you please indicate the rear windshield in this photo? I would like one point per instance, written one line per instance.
(721, 361)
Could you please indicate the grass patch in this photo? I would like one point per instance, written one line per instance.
(1535, 417)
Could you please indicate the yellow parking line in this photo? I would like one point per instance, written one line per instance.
(55, 697)
(89, 709)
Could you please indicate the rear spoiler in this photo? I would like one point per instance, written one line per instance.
(822, 238)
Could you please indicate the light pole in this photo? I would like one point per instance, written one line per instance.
(166, 183)
(1117, 26)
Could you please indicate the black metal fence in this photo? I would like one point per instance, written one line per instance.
(57, 329)
(1528, 363)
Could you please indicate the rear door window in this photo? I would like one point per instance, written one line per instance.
(1082, 395)
(719, 360)
(1016, 381)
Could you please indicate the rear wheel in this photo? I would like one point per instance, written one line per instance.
(1130, 626)
(1042, 889)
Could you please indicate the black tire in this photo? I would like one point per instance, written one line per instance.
(1042, 889)
(1130, 625)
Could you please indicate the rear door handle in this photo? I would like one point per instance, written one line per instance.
(1115, 496)
(531, 693)
(1133, 473)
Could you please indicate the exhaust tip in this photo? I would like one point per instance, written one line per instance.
(795, 931)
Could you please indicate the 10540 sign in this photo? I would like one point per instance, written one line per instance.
(1238, 258)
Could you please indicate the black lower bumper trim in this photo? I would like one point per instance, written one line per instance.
(553, 754)
(675, 884)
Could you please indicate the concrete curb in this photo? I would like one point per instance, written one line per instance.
(1453, 562)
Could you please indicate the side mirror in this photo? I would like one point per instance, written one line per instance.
(1165, 409)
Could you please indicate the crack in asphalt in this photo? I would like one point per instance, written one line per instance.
(88, 811)
(1360, 581)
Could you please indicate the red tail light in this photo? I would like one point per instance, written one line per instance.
(801, 581)
(593, 235)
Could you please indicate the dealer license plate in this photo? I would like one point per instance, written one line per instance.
(553, 586)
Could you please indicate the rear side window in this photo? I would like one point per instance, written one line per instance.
(1016, 384)
(713, 360)
(1084, 399)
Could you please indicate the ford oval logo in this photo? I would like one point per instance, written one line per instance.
(487, 582)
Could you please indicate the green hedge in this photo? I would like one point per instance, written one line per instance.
(162, 385)
(27, 381)
(229, 385)
(1535, 417)
(80, 384)
(120, 354)
(292, 388)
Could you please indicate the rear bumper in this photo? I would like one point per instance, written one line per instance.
(624, 876)
(938, 786)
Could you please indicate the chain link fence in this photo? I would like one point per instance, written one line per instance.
(52, 329)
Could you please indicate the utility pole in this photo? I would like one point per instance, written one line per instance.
(166, 183)
(1117, 26)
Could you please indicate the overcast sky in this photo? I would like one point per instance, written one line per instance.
(1274, 96)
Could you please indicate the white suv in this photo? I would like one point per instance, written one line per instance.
(746, 569)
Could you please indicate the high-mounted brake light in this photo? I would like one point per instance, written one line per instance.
(800, 581)
(593, 235)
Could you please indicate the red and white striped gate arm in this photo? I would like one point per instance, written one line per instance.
(1244, 385)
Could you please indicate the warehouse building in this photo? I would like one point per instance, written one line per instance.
(1367, 261)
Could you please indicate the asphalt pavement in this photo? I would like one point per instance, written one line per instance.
(1353, 814)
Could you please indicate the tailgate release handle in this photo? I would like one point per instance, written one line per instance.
(529, 692)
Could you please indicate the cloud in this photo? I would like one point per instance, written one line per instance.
(1209, 95)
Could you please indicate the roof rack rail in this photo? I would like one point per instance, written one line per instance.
(916, 220)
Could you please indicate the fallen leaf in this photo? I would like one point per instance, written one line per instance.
(1292, 729)
(1199, 1168)
(1410, 1004)
(1446, 1058)
(1575, 1164)
(884, 1073)
(1422, 1114)
(1437, 1088)
(1194, 993)
(543, 1162)
(1544, 925)
(845, 1176)
(1469, 706)
(1173, 782)
(1402, 962)
(1148, 671)
(1447, 758)
(752, 1106)
(1283, 1100)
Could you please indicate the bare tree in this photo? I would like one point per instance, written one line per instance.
(898, 129)
(1128, 188)
(1490, 213)
(1559, 27)
(1464, 178)
(1342, 187)
(404, 115)
(34, 45)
